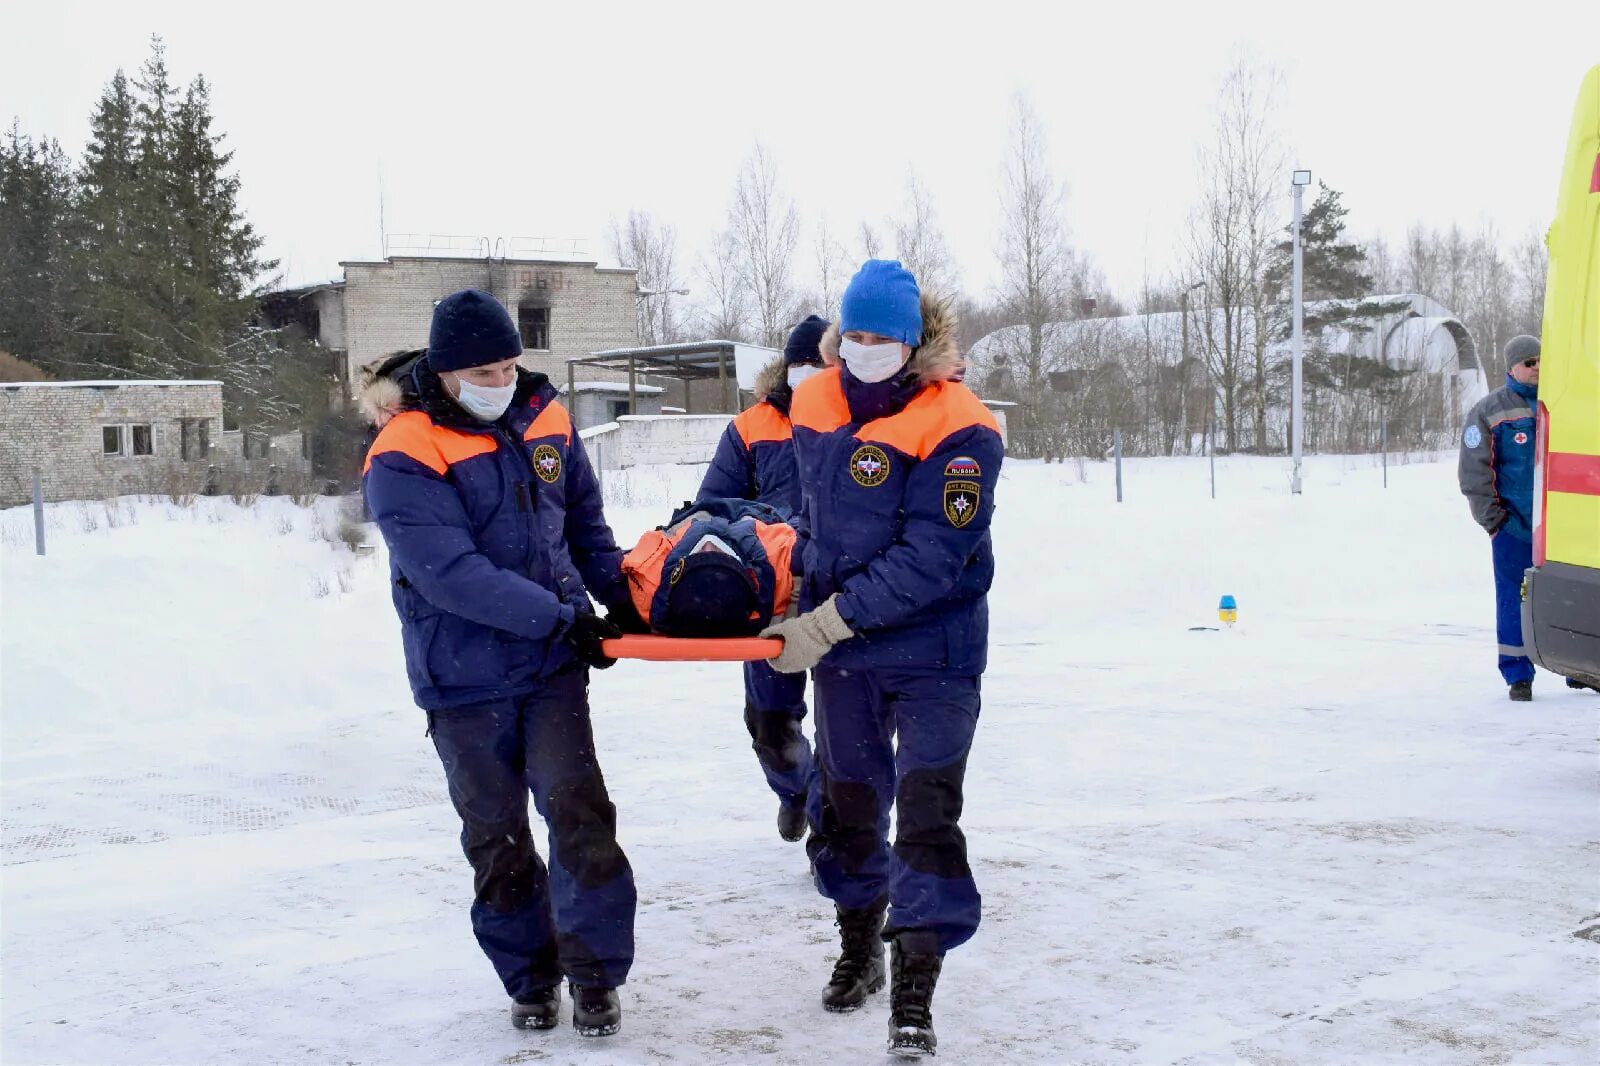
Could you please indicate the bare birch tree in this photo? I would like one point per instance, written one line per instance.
(833, 271)
(871, 243)
(1530, 261)
(725, 314)
(765, 228)
(920, 244)
(1232, 233)
(652, 251)
(1036, 262)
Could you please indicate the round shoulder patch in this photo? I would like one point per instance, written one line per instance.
(547, 463)
(870, 466)
(1472, 437)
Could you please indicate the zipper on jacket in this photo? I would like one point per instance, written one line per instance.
(527, 503)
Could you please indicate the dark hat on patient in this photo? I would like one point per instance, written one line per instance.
(710, 594)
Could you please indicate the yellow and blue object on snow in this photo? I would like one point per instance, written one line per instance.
(1228, 610)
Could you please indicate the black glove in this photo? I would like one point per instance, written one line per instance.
(626, 618)
(585, 634)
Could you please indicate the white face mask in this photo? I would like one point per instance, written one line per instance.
(483, 403)
(797, 374)
(871, 362)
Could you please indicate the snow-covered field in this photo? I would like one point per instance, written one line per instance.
(1324, 837)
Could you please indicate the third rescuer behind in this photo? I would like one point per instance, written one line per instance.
(898, 464)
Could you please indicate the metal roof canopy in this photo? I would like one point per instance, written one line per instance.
(686, 362)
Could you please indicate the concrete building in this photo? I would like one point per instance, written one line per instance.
(592, 403)
(564, 308)
(98, 439)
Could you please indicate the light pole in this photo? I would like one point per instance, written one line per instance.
(1300, 180)
(641, 295)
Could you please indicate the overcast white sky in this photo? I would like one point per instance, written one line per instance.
(547, 119)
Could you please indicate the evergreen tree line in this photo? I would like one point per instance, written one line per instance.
(137, 262)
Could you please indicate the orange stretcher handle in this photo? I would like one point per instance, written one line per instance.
(685, 649)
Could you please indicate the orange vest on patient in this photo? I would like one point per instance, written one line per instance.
(720, 568)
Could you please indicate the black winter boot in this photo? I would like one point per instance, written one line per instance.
(1521, 691)
(791, 820)
(913, 977)
(538, 1011)
(859, 971)
(596, 1011)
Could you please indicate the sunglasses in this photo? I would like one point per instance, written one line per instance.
(1530, 363)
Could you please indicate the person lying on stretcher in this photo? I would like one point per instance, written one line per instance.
(718, 568)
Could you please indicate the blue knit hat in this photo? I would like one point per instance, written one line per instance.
(883, 298)
(471, 328)
(802, 347)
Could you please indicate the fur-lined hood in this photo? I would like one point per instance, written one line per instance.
(383, 392)
(774, 378)
(936, 359)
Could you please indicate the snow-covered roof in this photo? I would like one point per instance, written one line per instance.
(97, 384)
(613, 386)
(1082, 342)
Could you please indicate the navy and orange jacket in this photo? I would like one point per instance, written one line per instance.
(898, 483)
(495, 535)
(756, 531)
(755, 457)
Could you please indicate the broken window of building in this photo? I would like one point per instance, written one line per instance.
(143, 440)
(110, 440)
(534, 325)
(196, 438)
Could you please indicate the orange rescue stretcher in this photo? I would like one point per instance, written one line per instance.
(699, 649)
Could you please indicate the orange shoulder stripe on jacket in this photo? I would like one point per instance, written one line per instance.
(938, 411)
(761, 423)
(819, 403)
(414, 435)
(552, 421)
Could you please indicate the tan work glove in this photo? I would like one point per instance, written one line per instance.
(807, 638)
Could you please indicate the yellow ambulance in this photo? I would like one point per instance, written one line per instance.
(1561, 593)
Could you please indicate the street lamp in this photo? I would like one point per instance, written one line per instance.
(1298, 182)
(642, 295)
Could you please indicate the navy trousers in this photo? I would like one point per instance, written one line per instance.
(1511, 558)
(896, 738)
(537, 925)
(774, 707)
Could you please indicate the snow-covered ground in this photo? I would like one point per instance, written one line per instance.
(1323, 837)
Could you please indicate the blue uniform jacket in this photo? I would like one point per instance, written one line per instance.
(1497, 459)
(755, 458)
(898, 488)
(495, 535)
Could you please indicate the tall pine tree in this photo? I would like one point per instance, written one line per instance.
(35, 204)
(167, 262)
(105, 260)
(1331, 267)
